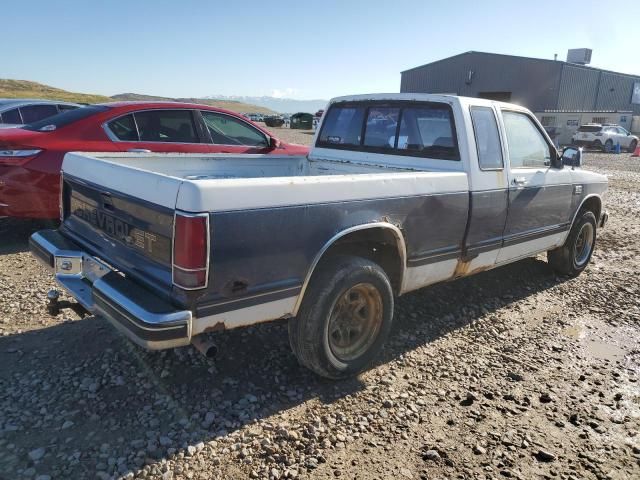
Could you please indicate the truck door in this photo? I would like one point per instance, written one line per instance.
(539, 194)
(488, 187)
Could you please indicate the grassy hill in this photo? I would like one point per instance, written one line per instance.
(227, 104)
(27, 89)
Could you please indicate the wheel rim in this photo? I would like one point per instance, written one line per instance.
(355, 321)
(584, 243)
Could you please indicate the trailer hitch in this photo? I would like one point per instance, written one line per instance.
(55, 305)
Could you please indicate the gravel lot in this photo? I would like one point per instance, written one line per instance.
(512, 373)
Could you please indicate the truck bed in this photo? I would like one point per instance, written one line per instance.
(223, 182)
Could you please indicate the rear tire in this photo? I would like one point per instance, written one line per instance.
(574, 256)
(632, 146)
(608, 146)
(344, 319)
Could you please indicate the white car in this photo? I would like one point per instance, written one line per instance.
(15, 112)
(604, 137)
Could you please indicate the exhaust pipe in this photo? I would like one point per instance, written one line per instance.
(206, 347)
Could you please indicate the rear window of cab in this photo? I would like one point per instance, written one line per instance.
(423, 129)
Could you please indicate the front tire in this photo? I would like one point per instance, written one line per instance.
(574, 256)
(632, 146)
(344, 319)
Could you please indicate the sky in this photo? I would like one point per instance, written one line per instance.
(305, 49)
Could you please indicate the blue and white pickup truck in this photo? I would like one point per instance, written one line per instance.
(399, 191)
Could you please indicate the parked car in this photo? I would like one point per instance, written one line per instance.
(31, 156)
(19, 111)
(273, 120)
(604, 137)
(326, 240)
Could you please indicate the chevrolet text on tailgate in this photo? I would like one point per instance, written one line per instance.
(399, 191)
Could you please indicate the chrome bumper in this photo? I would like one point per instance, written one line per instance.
(141, 315)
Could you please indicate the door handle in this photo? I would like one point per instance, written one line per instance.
(519, 181)
(139, 150)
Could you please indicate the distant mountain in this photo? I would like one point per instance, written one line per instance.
(28, 89)
(229, 104)
(281, 105)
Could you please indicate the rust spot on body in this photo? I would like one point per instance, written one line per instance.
(218, 327)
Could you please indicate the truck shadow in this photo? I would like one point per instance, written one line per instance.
(117, 394)
(15, 233)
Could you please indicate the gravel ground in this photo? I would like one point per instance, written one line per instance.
(511, 373)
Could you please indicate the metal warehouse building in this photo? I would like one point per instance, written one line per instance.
(538, 84)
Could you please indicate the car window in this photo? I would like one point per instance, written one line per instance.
(622, 131)
(124, 128)
(428, 131)
(65, 108)
(526, 145)
(175, 126)
(33, 113)
(342, 126)
(611, 130)
(227, 130)
(66, 118)
(590, 128)
(380, 130)
(487, 138)
(12, 116)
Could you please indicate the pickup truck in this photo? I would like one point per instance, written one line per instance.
(399, 191)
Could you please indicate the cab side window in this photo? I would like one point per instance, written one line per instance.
(526, 146)
(487, 138)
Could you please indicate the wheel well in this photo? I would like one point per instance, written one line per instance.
(594, 205)
(380, 245)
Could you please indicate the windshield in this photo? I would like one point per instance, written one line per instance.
(65, 118)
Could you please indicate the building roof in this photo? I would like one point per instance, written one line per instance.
(521, 58)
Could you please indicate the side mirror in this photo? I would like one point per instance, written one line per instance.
(572, 157)
(274, 142)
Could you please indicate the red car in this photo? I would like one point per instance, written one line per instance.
(31, 156)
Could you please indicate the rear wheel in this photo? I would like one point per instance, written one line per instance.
(598, 145)
(608, 146)
(632, 146)
(344, 319)
(573, 257)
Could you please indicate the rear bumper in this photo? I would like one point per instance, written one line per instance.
(142, 316)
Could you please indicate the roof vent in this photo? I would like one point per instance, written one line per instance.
(581, 56)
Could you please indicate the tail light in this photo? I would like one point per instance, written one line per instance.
(17, 155)
(190, 250)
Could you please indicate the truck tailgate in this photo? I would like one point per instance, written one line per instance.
(123, 226)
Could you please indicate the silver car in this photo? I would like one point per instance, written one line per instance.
(20, 111)
(604, 137)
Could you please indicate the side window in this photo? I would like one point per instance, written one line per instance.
(33, 113)
(380, 130)
(124, 128)
(166, 126)
(12, 117)
(428, 131)
(526, 145)
(66, 108)
(487, 138)
(342, 126)
(226, 130)
(622, 131)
